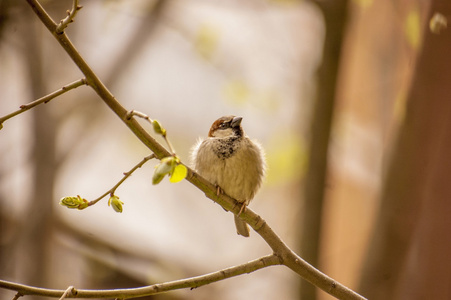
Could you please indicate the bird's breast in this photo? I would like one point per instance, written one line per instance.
(236, 166)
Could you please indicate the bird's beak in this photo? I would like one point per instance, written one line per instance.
(236, 122)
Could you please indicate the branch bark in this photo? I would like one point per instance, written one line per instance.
(282, 253)
(193, 282)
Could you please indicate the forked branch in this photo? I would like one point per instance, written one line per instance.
(70, 17)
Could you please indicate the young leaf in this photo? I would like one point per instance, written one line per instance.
(180, 172)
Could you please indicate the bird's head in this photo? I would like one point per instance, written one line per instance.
(227, 126)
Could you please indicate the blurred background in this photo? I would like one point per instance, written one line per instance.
(350, 99)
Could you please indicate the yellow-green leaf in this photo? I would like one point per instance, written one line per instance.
(179, 173)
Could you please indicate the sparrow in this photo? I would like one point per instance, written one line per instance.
(229, 159)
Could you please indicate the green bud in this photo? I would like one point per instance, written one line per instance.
(70, 202)
(115, 203)
(158, 128)
(74, 202)
(165, 167)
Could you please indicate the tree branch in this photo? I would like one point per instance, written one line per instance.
(193, 282)
(156, 125)
(70, 17)
(45, 99)
(17, 296)
(282, 252)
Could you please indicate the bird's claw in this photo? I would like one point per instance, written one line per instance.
(219, 191)
(243, 208)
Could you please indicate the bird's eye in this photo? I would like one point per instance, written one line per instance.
(223, 125)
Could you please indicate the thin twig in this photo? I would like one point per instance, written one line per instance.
(134, 113)
(45, 99)
(17, 296)
(193, 282)
(126, 175)
(70, 17)
(169, 144)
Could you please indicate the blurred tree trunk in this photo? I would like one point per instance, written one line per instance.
(335, 18)
(408, 257)
(33, 244)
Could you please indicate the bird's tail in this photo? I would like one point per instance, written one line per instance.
(241, 227)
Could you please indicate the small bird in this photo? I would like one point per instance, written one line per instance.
(231, 161)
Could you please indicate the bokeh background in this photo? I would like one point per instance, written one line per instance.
(350, 99)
